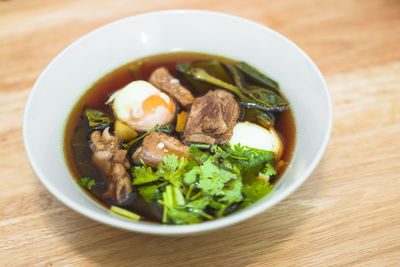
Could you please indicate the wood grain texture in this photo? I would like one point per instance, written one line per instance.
(348, 211)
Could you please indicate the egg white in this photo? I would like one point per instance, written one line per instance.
(255, 136)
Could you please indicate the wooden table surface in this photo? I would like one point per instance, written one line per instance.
(348, 211)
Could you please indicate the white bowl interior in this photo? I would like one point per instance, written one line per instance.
(85, 61)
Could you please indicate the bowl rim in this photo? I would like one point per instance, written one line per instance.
(161, 229)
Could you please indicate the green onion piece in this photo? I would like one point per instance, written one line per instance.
(201, 146)
(179, 199)
(169, 196)
(125, 213)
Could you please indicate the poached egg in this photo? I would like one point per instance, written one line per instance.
(142, 106)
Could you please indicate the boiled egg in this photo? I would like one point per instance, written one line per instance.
(255, 136)
(142, 106)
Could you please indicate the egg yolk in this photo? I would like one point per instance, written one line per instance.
(150, 104)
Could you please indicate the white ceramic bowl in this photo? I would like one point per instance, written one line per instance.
(86, 60)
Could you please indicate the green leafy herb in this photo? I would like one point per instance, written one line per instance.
(257, 190)
(209, 178)
(172, 169)
(233, 191)
(181, 216)
(209, 185)
(143, 175)
(249, 160)
(149, 193)
(86, 182)
(269, 170)
(96, 118)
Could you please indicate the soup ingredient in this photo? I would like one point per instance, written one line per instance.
(112, 162)
(211, 118)
(256, 190)
(164, 81)
(125, 213)
(207, 185)
(253, 135)
(96, 118)
(124, 131)
(162, 129)
(279, 165)
(265, 99)
(252, 162)
(257, 76)
(142, 106)
(181, 121)
(86, 182)
(213, 66)
(156, 146)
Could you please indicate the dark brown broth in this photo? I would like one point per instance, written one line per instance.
(79, 156)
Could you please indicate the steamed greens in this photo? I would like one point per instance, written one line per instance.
(209, 185)
(96, 118)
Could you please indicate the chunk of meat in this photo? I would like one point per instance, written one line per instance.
(157, 145)
(113, 163)
(211, 118)
(164, 81)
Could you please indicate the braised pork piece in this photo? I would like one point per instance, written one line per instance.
(113, 163)
(164, 81)
(156, 146)
(211, 118)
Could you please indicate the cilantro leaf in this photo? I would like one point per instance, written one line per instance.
(149, 193)
(257, 190)
(251, 161)
(233, 191)
(210, 185)
(86, 182)
(268, 170)
(209, 178)
(197, 154)
(181, 216)
(172, 169)
(143, 175)
(193, 212)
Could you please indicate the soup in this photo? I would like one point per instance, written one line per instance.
(180, 138)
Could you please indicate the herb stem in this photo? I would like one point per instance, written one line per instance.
(130, 144)
(196, 196)
(189, 192)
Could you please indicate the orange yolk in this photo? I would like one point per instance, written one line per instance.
(150, 104)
